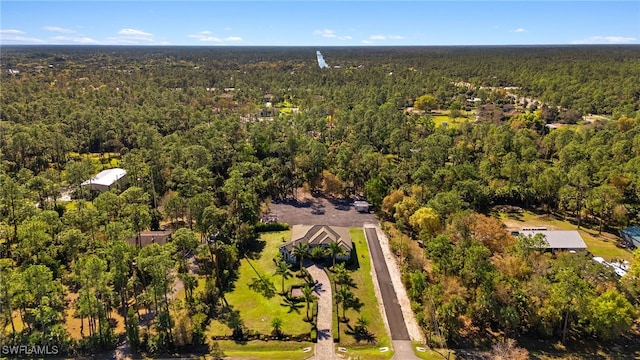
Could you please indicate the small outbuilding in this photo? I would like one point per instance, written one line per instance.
(568, 240)
(159, 237)
(106, 180)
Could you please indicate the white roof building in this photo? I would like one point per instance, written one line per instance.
(559, 239)
(107, 179)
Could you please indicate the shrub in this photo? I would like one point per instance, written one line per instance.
(272, 226)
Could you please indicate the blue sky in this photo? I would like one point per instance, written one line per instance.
(319, 23)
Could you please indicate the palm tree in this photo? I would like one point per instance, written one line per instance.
(276, 324)
(307, 292)
(283, 269)
(345, 297)
(361, 328)
(341, 274)
(334, 249)
(300, 250)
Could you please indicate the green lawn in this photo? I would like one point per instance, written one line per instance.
(257, 311)
(603, 245)
(432, 354)
(363, 290)
(454, 123)
(266, 350)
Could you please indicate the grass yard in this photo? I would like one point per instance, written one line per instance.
(263, 350)
(443, 117)
(429, 354)
(364, 291)
(603, 245)
(257, 311)
(106, 161)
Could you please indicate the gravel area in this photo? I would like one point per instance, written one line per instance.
(320, 211)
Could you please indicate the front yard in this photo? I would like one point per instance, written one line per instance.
(257, 311)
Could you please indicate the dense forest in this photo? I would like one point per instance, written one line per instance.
(211, 135)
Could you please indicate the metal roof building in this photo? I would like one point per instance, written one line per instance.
(107, 179)
(559, 239)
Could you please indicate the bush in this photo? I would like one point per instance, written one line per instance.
(272, 226)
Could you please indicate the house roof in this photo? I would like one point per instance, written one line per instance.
(559, 239)
(106, 177)
(632, 233)
(151, 236)
(318, 235)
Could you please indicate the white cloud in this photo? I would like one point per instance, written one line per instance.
(605, 40)
(11, 32)
(207, 36)
(133, 32)
(386, 37)
(519, 30)
(73, 40)
(325, 33)
(367, 42)
(328, 33)
(13, 36)
(135, 35)
(59, 29)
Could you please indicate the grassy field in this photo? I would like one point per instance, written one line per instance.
(266, 350)
(429, 354)
(107, 161)
(257, 311)
(443, 117)
(603, 245)
(364, 291)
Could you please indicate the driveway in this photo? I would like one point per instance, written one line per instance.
(391, 305)
(325, 349)
(320, 211)
(402, 345)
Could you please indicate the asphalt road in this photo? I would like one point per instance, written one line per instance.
(392, 308)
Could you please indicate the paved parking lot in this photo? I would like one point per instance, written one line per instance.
(320, 211)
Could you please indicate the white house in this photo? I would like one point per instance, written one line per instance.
(318, 236)
(107, 180)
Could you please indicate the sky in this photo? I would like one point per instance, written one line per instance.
(319, 23)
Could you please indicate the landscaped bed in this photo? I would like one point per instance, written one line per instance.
(363, 290)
